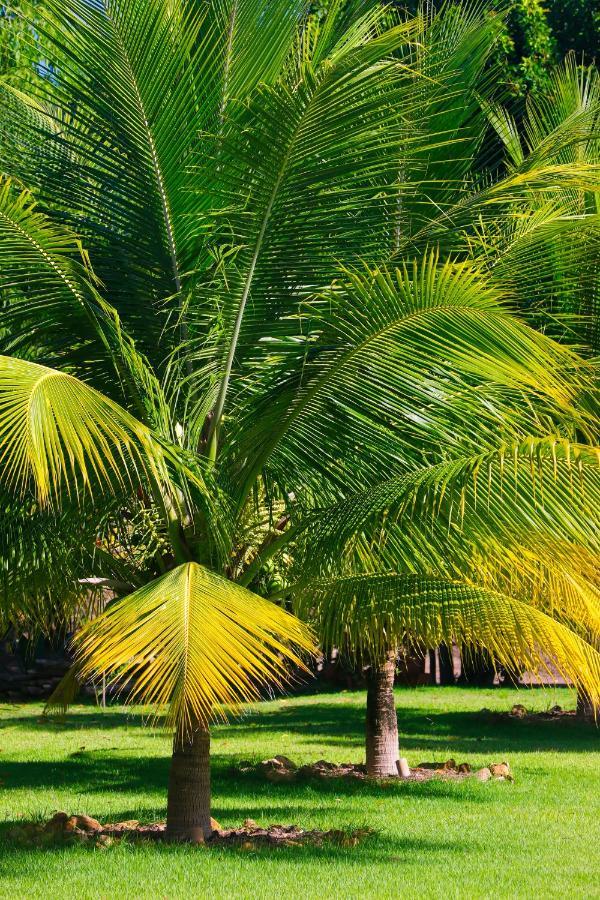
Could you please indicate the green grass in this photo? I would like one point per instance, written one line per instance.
(538, 837)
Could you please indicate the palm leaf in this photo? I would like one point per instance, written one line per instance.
(370, 613)
(332, 132)
(528, 493)
(57, 433)
(45, 269)
(395, 364)
(195, 641)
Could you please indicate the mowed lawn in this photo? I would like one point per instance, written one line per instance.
(537, 838)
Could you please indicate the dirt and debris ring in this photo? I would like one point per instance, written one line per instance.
(278, 772)
(65, 829)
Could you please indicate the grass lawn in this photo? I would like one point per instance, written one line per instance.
(538, 837)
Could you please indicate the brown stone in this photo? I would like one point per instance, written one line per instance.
(518, 711)
(465, 768)
(104, 840)
(273, 763)
(57, 822)
(128, 825)
(501, 770)
(250, 823)
(86, 823)
(483, 774)
(285, 761)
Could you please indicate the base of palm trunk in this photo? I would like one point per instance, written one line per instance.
(188, 805)
(382, 722)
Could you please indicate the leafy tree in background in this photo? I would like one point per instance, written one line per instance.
(575, 26)
(527, 47)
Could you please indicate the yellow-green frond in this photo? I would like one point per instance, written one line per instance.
(193, 640)
(371, 613)
(57, 433)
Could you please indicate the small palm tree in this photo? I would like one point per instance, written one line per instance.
(199, 369)
(540, 246)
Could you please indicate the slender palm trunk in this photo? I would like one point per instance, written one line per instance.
(188, 805)
(382, 722)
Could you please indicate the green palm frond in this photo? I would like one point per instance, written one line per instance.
(452, 56)
(51, 293)
(435, 518)
(546, 248)
(255, 38)
(195, 641)
(559, 577)
(398, 363)
(142, 81)
(59, 434)
(547, 257)
(45, 275)
(332, 133)
(370, 613)
(561, 123)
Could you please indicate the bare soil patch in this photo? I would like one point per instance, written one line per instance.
(282, 770)
(63, 829)
(554, 714)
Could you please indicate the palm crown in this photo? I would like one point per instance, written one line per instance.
(255, 298)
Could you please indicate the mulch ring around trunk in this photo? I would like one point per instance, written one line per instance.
(63, 829)
(554, 714)
(282, 770)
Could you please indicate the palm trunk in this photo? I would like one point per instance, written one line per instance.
(382, 723)
(188, 805)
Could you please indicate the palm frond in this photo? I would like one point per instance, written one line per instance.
(140, 82)
(45, 277)
(371, 613)
(57, 433)
(532, 493)
(302, 178)
(395, 364)
(195, 641)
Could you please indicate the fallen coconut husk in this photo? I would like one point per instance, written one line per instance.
(281, 770)
(79, 829)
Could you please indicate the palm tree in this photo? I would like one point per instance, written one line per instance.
(157, 228)
(549, 251)
(198, 369)
(490, 542)
(540, 248)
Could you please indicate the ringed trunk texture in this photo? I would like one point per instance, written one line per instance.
(188, 803)
(382, 722)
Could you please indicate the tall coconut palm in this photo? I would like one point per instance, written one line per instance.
(198, 367)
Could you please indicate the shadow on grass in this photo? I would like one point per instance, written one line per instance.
(461, 732)
(342, 725)
(98, 772)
